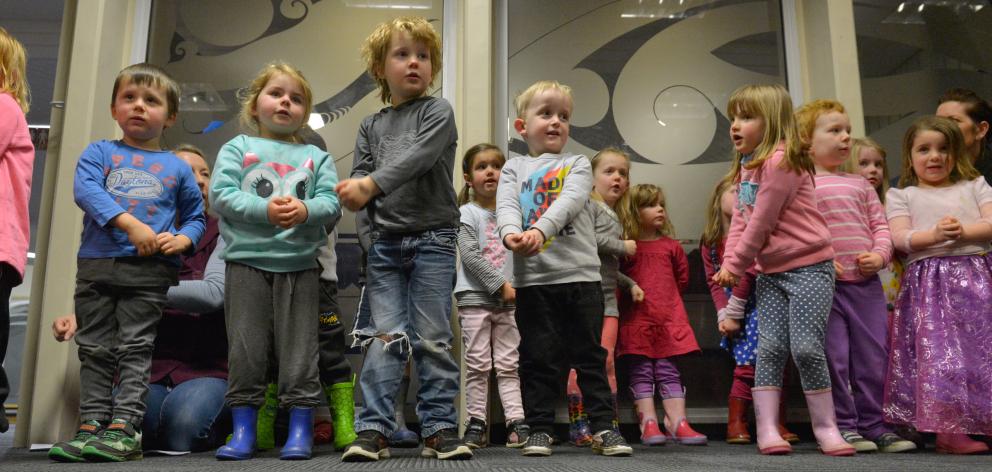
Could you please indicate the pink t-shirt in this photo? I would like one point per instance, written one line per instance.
(16, 164)
(856, 220)
(925, 206)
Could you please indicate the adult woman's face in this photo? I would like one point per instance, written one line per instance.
(973, 132)
(200, 170)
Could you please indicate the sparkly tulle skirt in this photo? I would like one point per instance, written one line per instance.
(940, 364)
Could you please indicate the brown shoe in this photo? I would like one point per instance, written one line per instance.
(787, 435)
(737, 428)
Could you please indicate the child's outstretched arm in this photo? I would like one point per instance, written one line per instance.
(226, 197)
(435, 135)
(356, 191)
(605, 243)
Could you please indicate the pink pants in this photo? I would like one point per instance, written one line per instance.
(491, 340)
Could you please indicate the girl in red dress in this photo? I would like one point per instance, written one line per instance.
(656, 330)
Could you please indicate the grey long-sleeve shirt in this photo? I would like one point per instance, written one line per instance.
(202, 296)
(550, 192)
(409, 152)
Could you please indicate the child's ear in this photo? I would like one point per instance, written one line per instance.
(520, 125)
(171, 120)
(468, 180)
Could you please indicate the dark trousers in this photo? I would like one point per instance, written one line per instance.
(271, 325)
(117, 327)
(332, 365)
(560, 327)
(8, 280)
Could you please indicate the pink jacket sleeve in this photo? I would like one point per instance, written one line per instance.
(778, 185)
(717, 293)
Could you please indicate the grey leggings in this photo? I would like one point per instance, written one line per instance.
(792, 317)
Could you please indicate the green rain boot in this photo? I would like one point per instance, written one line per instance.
(341, 400)
(265, 436)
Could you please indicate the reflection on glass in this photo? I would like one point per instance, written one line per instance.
(651, 77)
(909, 53)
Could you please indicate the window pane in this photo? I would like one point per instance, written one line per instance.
(214, 53)
(909, 53)
(653, 77)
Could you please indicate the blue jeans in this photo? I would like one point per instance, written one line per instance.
(188, 417)
(410, 280)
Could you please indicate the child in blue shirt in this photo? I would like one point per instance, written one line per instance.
(142, 208)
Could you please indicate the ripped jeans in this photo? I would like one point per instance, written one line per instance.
(410, 280)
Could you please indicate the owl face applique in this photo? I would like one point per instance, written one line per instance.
(274, 179)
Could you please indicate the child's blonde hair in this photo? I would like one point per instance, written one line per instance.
(190, 148)
(714, 231)
(468, 161)
(639, 196)
(149, 75)
(13, 63)
(523, 99)
(772, 104)
(598, 158)
(376, 47)
(962, 170)
(860, 144)
(249, 96)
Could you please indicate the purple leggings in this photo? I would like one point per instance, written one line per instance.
(648, 375)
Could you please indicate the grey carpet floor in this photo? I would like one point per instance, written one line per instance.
(715, 457)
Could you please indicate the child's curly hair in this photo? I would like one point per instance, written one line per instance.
(376, 46)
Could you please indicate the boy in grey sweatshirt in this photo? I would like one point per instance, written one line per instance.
(544, 216)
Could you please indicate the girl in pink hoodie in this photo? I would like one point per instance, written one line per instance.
(16, 161)
(778, 226)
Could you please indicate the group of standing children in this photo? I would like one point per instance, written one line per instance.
(796, 243)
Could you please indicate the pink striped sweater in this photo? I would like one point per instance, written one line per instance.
(856, 220)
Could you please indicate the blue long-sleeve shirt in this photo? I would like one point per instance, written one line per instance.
(156, 187)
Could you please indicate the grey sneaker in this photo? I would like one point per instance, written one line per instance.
(610, 443)
(891, 442)
(858, 441)
(538, 445)
(475, 434)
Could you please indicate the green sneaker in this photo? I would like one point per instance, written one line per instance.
(119, 442)
(341, 400)
(265, 432)
(72, 450)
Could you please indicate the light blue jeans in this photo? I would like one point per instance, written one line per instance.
(188, 417)
(410, 280)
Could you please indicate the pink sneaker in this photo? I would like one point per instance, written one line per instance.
(652, 435)
(684, 434)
